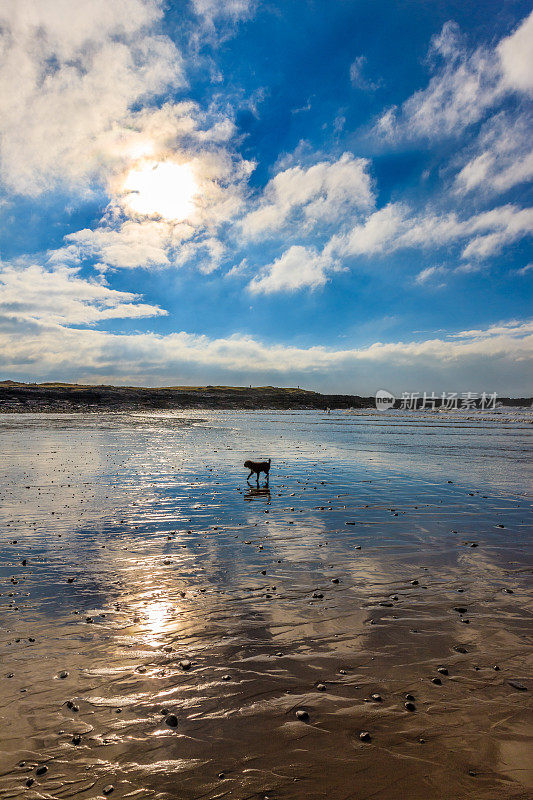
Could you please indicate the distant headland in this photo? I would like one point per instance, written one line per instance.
(57, 397)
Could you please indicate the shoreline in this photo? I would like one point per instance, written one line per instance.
(76, 398)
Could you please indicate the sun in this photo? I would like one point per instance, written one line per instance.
(161, 188)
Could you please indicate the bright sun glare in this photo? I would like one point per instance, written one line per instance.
(161, 188)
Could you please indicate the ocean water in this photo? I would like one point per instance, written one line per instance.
(131, 542)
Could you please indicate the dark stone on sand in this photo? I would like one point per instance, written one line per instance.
(42, 770)
(409, 706)
(335, 580)
(63, 674)
(321, 687)
(108, 789)
(226, 677)
(414, 583)
(410, 697)
(376, 698)
(386, 604)
(442, 670)
(30, 782)
(318, 595)
(263, 572)
(171, 721)
(185, 664)
(500, 525)
(302, 715)
(436, 681)
(508, 591)
(23, 562)
(496, 668)
(221, 775)
(76, 739)
(89, 619)
(365, 736)
(517, 685)
(459, 648)
(460, 609)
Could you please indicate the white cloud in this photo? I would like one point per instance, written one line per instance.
(32, 293)
(516, 57)
(393, 228)
(497, 359)
(212, 10)
(70, 74)
(466, 84)
(299, 267)
(502, 156)
(357, 77)
(310, 196)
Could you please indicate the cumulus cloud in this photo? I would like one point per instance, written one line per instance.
(309, 196)
(465, 85)
(33, 293)
(299, 267)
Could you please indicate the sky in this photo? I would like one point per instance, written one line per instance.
(334, 194)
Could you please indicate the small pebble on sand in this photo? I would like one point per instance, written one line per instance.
(365, 736)
(302, 715)
(171, 721)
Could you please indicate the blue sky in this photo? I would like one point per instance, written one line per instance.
(322, 193)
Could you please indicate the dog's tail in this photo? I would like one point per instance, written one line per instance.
(269, 460)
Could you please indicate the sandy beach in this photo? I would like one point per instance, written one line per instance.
(360, 630)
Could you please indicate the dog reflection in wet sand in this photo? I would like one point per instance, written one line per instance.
(258, 467)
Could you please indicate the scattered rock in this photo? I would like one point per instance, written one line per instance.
(185, 665)
(302, 715)
(42, 770)
(376, 698)
(442, 670)
(321, 687)
(365, 736)
(108, 789)
(171, 721)
(409, 706)
(436, 681)
(517, 685)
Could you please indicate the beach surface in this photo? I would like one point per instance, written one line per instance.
(168, 631)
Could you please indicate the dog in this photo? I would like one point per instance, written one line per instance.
(258, 467)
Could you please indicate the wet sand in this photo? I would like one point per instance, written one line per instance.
(163, 625)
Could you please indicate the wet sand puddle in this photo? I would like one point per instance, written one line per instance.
(169, 632)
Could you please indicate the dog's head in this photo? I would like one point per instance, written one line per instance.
(248, 464)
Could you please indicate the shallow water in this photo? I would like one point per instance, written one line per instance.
(144, 546)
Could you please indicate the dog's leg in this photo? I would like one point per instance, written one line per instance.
(257, 476)
(249, 476)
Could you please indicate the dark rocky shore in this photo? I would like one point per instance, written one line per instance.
(57, 397)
